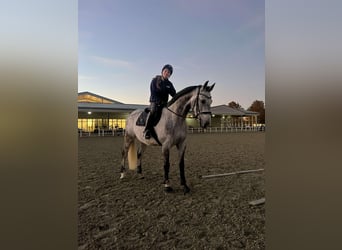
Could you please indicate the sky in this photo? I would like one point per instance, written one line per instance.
(123, 44)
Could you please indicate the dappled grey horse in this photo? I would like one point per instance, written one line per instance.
(171, 130)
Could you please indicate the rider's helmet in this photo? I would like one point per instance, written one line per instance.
(169, 67)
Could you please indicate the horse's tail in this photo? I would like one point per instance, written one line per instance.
(132, 156)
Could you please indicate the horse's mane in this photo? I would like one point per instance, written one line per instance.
(181, 93)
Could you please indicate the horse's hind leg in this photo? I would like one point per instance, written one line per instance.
(166, 154)
(181, 151)
(127, 142)
(141, 150)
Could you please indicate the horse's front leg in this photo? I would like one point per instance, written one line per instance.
(166, 154)
(181, 151)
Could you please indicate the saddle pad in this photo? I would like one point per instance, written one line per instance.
(141, 121)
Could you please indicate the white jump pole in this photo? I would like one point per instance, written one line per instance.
(233, 173)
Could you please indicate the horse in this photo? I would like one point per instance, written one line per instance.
(171, 130)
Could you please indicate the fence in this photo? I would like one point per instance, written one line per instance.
(101, 132)
(226, 129)
(121, 132)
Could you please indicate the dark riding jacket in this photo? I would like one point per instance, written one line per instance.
(160, 90)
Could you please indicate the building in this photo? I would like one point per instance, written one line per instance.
(97, 113)
(226, 116)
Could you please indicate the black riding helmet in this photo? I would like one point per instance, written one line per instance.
(169, 67)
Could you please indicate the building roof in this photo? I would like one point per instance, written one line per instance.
(88, 97)
(226, 110)
(248, 112)
(112, 107)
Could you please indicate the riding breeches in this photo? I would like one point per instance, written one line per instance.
(154, 116)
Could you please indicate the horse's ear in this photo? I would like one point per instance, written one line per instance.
(205, 84)
(211, 87)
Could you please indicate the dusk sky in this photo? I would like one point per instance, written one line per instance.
(123, 44)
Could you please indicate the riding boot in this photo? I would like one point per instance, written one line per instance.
(147, 132)
(150, 120)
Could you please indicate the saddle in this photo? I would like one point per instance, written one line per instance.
(141, 121)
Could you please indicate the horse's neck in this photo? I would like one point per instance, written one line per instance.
(183, 104)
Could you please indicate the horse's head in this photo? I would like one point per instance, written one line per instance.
(202, 104)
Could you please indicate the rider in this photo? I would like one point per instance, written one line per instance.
(160, 88)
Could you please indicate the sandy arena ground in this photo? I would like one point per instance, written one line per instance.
(137, 214)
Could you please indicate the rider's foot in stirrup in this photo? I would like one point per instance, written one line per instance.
(147, 134)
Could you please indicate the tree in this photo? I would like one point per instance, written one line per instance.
(234, 105)
(258, 106)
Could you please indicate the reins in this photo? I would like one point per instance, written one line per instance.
(175, 113)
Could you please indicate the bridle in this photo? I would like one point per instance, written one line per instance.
(198, 112)
(196, 103)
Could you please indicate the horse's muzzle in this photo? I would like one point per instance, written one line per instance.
(204, 123)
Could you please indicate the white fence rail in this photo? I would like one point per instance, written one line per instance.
(226, 129)
(103, 132)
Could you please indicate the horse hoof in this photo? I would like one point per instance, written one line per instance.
(186, 189)
(140, 177)
(122, 175)
(168, 189)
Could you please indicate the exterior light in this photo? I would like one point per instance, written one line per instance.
(89, 113)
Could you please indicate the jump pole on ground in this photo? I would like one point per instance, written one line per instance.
(257, 202)
(232, 173)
